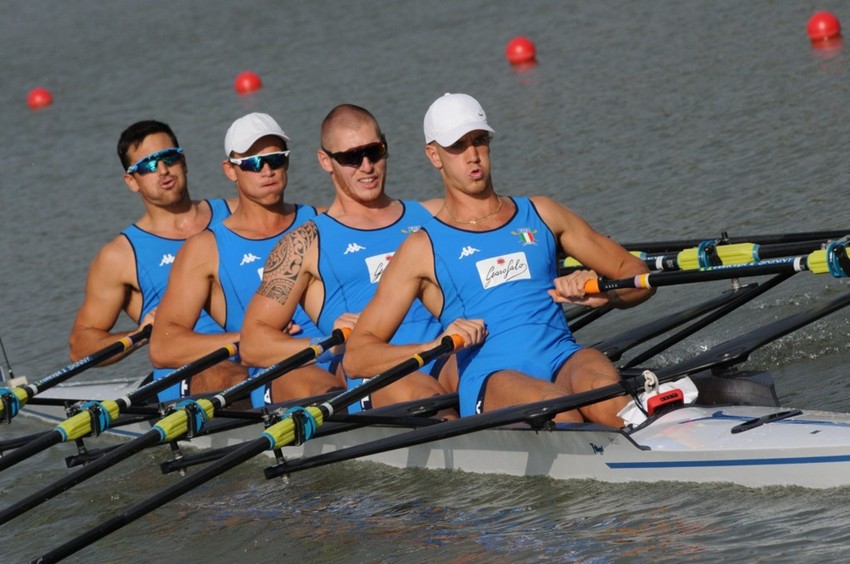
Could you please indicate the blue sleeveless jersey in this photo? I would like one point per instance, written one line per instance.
(502, 276)
(351, 262)
(240, 270)
(154, 256)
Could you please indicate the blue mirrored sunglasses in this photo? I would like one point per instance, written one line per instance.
(255, 163)
(149, 163)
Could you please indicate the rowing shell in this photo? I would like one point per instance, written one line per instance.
(748, 445)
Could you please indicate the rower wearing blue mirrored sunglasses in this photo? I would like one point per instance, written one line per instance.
(255, 163)
(149, 164)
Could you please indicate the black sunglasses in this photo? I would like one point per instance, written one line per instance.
(354, 157)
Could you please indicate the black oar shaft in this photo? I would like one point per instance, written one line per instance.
(678, 245)
(108, 460)
(188, 370)
(243, 389)
(658, 279)
(244, 453)
(93, 359)
(32, 448)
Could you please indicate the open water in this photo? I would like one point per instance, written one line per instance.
(653, 120)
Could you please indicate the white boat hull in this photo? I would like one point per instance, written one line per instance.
(688, 444)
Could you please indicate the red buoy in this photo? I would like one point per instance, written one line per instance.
(39, 98)
(823, 26)
(520, 50)
(247, 82)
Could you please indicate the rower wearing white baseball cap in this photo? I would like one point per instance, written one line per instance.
(220, 269)
(486, 267)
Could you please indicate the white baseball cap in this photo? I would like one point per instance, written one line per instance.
(452, 116)
(246, 130)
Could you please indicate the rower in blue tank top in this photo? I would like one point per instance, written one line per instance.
(487, 267)
(512, 265)
(331, 265)
(240, 271)
(220, 269)
(351, 262)
(154, 256)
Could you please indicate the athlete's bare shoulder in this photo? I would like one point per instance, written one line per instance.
(115, 261)
(434, 205)
(288, 260)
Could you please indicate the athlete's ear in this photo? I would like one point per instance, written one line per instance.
(324, 161)
(131, 183)
(433, 155)
(227, 168)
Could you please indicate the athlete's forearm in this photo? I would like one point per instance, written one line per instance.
(367, 356)
(262, 345)
(87, 340)
(173, 346)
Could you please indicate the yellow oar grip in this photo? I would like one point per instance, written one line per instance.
(282, 433)
(175, 425)
(22, 396)
(818, 262)
(739, 253)
(79, 425)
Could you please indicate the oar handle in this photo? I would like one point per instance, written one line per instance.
(244, 388)
(185, 371)
(121, 345)
(448, 344)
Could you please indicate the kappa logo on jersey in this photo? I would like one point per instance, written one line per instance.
(500, 270)
(411, 229)
(467, 251)
(248, 258)
(167, 258)
(353, 248)
(526, 235)
(377, 265)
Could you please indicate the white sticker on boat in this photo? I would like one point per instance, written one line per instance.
(506, 268)
(377, 264)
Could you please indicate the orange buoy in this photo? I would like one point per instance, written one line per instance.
(520, 50)
(823, 26)
(39, 98)
(247, 82)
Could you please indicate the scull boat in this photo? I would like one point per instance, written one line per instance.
(750, 445)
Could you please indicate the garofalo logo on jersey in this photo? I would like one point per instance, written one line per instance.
(502, 269)
(377, 264)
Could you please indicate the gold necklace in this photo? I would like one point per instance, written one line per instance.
(475, 221)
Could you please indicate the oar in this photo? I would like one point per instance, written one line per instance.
(713, 309)
(731, 352)
(677, 245)
(298, 423)
(12, 400)
(190, 415)
(834, 260)
(709, 254)
(95, 417)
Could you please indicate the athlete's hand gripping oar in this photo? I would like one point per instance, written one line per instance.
(834, 260)
(95, 417)
(191, 414)
(12, 400)
(276, 436)
(731, 352)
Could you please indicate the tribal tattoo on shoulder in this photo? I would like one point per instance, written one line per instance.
(285, 263)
